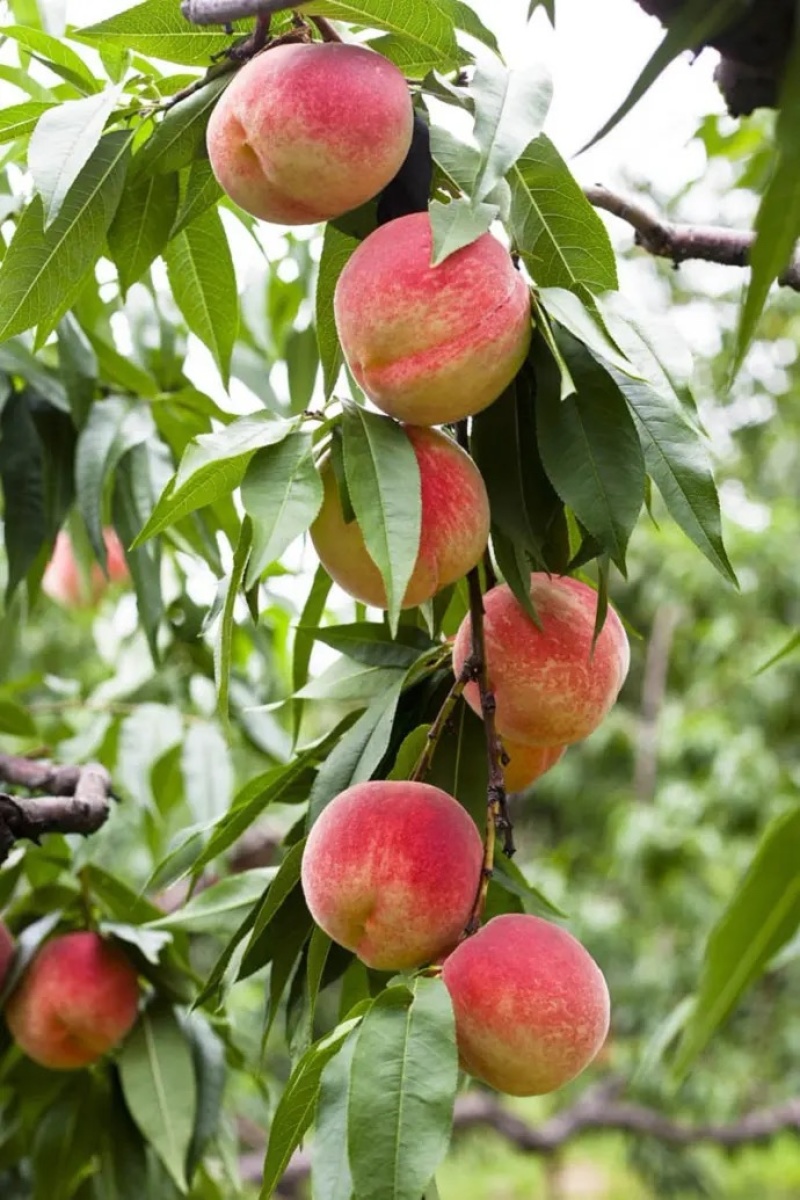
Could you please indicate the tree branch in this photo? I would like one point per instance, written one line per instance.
(79, 802)
(682, 242)
(596, 1110)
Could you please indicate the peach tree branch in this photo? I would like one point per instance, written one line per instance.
(78, 801)
(595, 1110)
(679, 243)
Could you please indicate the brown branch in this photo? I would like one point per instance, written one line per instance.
(679, 243)
(597, 1109)
(79, 802)
(497, 818)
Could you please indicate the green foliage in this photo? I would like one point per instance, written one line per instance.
(170, 368)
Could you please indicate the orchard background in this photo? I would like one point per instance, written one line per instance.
(231, 695)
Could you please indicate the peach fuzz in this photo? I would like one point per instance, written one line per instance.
(306, 133)
(7, 952)
(431, 344)
(63, 581)
(531, 1005)
(391, 871)
(76, 1001)
(453, 534)
(551, 685)
(527, 763)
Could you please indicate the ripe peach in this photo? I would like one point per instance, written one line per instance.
(63, 582)
(527, 763)
(531, 1005)
(78, 998)
(306, 133)
(391, 870)
(7, 952)
(431, 344)
(551, 686)
(453, 535)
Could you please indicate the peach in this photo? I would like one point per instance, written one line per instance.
(306, 133)
(63, 581)
(531, 1005)
(431, 344)
(391, 870)
(76, 1001)
(551, 685)
(453, 535)
(7, 952)
(527, 763)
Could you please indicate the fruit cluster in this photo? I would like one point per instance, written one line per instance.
(391, 870)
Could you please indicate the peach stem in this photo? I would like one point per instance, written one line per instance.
(497, 819)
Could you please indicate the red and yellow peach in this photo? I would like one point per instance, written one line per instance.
(306, 133)
(77, 1000)
(454, 529)
(391, 870)
(531, 1005)
(430, 344)
(552, 685)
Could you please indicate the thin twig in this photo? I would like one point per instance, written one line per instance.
(329, 34)
(679, 243)
(442, 717)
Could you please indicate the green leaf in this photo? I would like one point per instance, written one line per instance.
(282, 493)
(784, 652)
(589, 446)
(383, 481)
(213, 465)
(677, 460)
(142, 226)
(158, 29)
(133, 500)
(464, 17)
(584, 324)
(223, 640)
(760, 919)
(220, 909)
(296, 1106)
(310, 618)
(330, 1168)
(210, 1071)
(19, 119)
(458, 224)
(200, 191)
(372, 644)
(560, 237)
(523, 504)
(55, 53)
(62, 143)
(302, 361)
(64, 1141)
(510, 110)
(122, 1169)
(359, 753)
(691, 27)
(157, 1073)
(337, 247)
(43, 272)
(777, 223)
(22, 478)
(403, 1084)
(422, 25)
(201, 275)
(285, 881)
(16, 720)
(180, 137)
(114, 427)
(207, 770)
